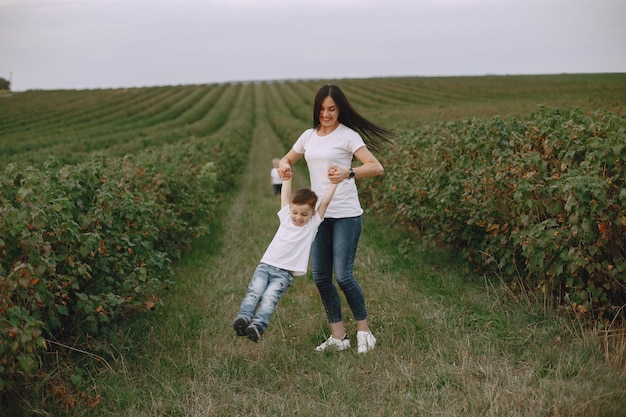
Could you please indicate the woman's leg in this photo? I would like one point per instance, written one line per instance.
(345, 240)
(322, 270)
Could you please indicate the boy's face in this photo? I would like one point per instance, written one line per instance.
(300, 214)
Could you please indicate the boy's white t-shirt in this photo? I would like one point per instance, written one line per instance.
(291, 246)
(320, 152)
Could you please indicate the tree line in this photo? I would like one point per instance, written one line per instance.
(5, 84)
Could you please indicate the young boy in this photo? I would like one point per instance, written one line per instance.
(277, 182)
(286, 256)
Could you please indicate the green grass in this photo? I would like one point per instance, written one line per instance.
(449, 344)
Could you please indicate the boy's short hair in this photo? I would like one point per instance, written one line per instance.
(304, 196)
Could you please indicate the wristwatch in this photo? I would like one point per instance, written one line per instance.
(351, 174)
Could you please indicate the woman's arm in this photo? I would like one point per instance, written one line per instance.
(370, 167)
(285, 164)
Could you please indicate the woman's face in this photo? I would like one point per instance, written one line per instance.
(329, 113)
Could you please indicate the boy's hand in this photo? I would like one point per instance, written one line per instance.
(336, 174)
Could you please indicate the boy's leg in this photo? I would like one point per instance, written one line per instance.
(254, 293)
(279, 281)
(240, 325)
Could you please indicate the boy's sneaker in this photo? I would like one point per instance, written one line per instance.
(365, 341)
(240, 325)
(254, 333)
(336, 344)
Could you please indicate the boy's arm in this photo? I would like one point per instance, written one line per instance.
(285, 193)
(321, 209)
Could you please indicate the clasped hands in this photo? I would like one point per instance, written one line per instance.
(335, 173)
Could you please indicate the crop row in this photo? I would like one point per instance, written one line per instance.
(83, 246)
(70, 124)
(540, 202)
(164, 118)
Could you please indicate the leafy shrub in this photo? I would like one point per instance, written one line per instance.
(82, 246)
(543, 200)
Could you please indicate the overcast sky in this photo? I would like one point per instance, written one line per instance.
(84, 44)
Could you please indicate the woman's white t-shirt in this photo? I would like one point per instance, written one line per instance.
(291, 246)
(321, 152)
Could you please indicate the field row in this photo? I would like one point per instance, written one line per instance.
(71, 124)
(89, 244)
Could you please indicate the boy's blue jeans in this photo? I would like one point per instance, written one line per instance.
(268, 284)
(334, 247)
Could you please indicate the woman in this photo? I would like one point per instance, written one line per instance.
(329, 148)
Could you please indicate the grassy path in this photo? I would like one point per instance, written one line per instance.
(449, 345)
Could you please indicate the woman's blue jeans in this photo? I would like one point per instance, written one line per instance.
(268, 284)
(334, 248)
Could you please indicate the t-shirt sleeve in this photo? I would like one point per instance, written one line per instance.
(284, 211)
(355, 142)
(317, 220)
(300, 145)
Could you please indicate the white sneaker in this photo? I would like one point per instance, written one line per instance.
(336, 344)
(365, 341)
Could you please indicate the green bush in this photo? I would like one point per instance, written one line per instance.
(541, 200)
(84, 245)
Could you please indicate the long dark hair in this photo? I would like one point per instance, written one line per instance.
(373, 135)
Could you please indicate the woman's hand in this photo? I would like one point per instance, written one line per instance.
(284, 166)
(336, 174)
(285, 172)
